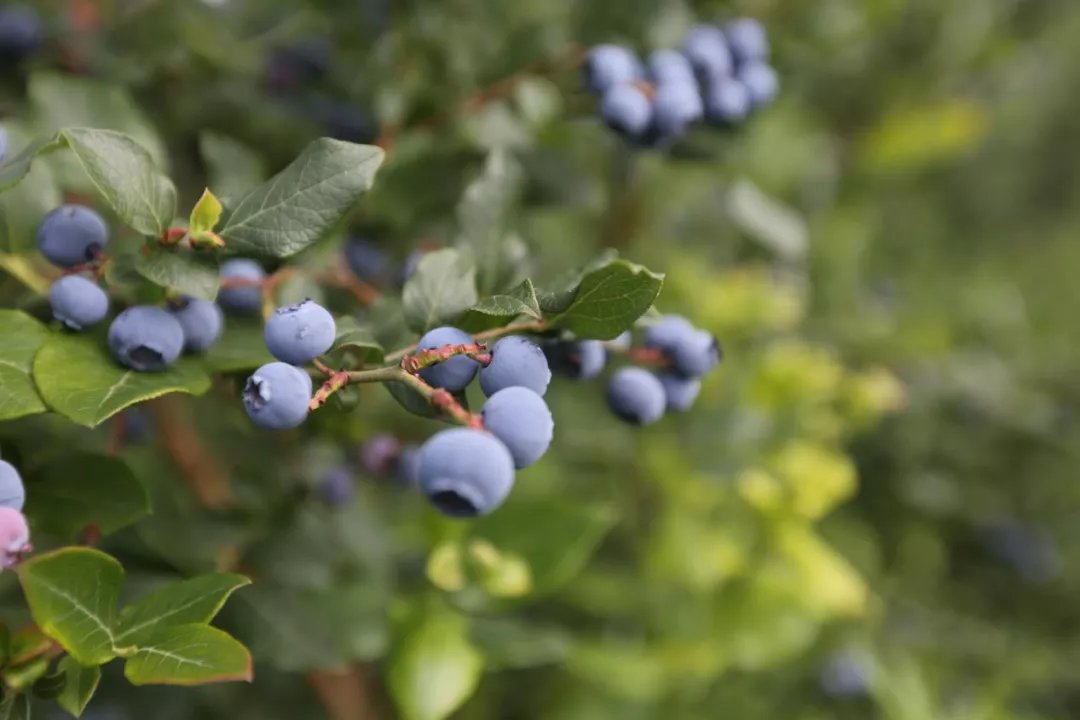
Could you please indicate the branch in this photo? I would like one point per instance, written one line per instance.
(204, 475)
(526, 326)
(346, 694)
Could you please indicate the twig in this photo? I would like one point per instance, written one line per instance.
(346, 694)
(204, 475)
(527, 326)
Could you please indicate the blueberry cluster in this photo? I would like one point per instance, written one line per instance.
(720, 76)
(277, 395)
(143, 338)
(14, 532)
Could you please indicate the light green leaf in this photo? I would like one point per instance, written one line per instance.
(82, 489)
(188, 655)
(205, 214)
(607, 301)
(15, 707)
(101, 388)
(80, 685)
(15, 169)
(443, 287)
(301, 203)
(233, 167)
(196, 600)
(483, 218)
(497, 310)
(23, 335)
(357, 341)
(72, 595)
(125, 174)
(435, 668)
(23, 206)
(190, 273)
(240, 347)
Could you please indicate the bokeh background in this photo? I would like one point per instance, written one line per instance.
(871, 512)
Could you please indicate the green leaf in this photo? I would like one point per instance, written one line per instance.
(301, 203)
(188, 655)
(15, 169)
(508, 644)
(196, 600)
(498, 310)
(190, 273)
(72, 595)
(205, 214)
(435, 668)
(232, 167)
(240, 347)
(16, 706)
(20, 677)
(483, 217)
(79, 687)
(608, 300)
(28, 643)
(50, 685)
(79, 380)
(82, 489)
(357, 341)
(443, 287)
(23, 335)
(23, 206)
(124, 173)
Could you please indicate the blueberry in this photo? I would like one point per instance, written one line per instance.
(78, 302)
(453, 374)
(408, 467)
(845, 675)
(276, 396)
(667, 331)
(412, 260)
(680, 392)
(145, 338)
(675, 106)
(695, 354)
(727, 102)
(1027, 550)
(137, 424)
(515, 361)
(304, 62)
(609, 65)
(761, 83)
(581, 360)
(626, 109)
(670, 67)
(636, 396)
(12, 492)
(337, 487)
(708, 51)
(201, 321)
(72, 235)
(379, 454)
(521, 419)
(14, 537)
(465, 473)
(299, 333)
(245, 298)
(344, 121)
(748, 40)
(365, 259)
(622, 343)
(20, 32)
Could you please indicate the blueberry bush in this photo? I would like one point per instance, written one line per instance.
(528, 359)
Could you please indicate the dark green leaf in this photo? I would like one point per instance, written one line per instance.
(22, 335)
(483, 217)
(76, 491)
(240, 347)
(434, 669)
(301, 203)
(16, 706)
(79, 687)
(50, 685)
(357, 341)
(607, 301)
(190, 273)
(72, 595)
(79, 380)
(188, 655)
(443, 287)
(196, 600)
(498, 310)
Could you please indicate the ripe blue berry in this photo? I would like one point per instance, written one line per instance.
(670, 67)
(452, 374)
(695, 354)
(201, 321)
(581, 360)
(761, 83)
(12, 492)
(748, 40)
(707, 50)
(680, 392)
(408, 467)
(626, 110)
(14, 537)
(244, 298)
(77, 302)
(622, 343)
(72, 235)
(365, 259)
(515, 361)
(727, 102)
(276, 396)
(145, 338)
(521, 419)
(609, 65)
(675, 106)
(667, 331)
(379, 454)
(20, 32)
(337, 487)
(636, 396)
(465, 473)
(299, 333)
